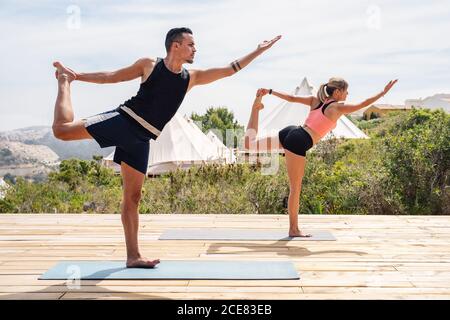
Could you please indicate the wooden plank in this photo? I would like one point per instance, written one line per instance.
(302, 266)
(377, 290)
(31, 296)
(32, 280)
(147, 289)
(185, 296)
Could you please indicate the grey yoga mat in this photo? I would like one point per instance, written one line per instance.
(174, 269)
(241, 234)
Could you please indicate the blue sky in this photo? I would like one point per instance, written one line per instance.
(365, 42)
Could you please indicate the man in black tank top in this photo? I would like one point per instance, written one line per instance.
(164, 84)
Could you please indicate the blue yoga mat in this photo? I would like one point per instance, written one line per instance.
(241, 234)
(213, 270)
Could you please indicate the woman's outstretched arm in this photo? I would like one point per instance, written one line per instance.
(288, 97)
(349, 108)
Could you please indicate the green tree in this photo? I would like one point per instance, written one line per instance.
(10, 178)
(6, 157)
(74, 171)
(418, 158)
(220, 120)
(5, 152)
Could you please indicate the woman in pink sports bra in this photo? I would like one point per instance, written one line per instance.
(296, 140)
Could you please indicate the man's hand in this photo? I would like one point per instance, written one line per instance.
(389, 86)
(268, 44)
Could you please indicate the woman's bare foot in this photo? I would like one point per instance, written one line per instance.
(257, 104)
(297, 233)
(141, 263)
(62, 71)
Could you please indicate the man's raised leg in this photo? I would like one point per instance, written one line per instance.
(64, 127)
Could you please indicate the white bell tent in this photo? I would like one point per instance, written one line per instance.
(224, 152)
(181, 145)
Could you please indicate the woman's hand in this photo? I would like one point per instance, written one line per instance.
(263, 91)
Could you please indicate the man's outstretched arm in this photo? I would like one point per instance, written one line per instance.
(199, 77)
(134, 71)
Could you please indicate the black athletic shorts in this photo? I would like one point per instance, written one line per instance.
(132, 141)
(295, 139)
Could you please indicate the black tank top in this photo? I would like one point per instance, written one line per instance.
(160, 96)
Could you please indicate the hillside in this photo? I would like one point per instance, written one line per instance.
(18, 153)
(82, 149)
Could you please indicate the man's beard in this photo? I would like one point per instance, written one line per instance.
(190, 61)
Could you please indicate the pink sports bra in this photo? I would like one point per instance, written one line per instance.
(318, 122)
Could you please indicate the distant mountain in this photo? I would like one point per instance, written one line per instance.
(18, 153)
(42, 135)
(437, 101)
(20, 159)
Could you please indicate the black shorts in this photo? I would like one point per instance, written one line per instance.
(296, 140)
(132, 141)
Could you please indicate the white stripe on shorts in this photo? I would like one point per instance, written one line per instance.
(99, 118)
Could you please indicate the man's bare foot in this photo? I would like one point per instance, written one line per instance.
(298, 233)
(141, 263)
(62, 71)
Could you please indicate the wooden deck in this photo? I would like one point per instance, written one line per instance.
(374, 257)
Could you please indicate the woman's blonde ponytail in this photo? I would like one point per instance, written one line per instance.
(322, 93)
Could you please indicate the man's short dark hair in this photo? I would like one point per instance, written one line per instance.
(175, 35)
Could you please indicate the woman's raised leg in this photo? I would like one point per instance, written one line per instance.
(250, 141)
